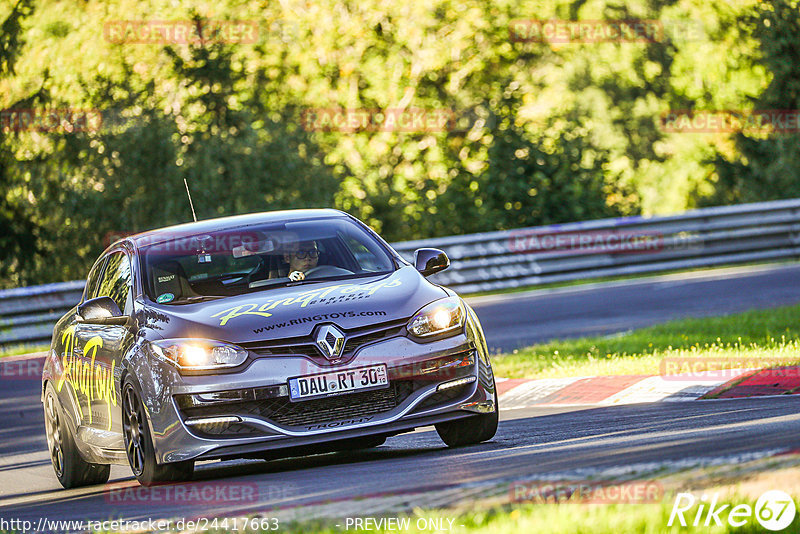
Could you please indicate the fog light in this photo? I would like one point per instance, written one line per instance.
(456, 383)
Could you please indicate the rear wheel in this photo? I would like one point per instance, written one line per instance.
(71, 469)
(139, 445)
(471, 430)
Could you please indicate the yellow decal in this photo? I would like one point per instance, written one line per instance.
(91, 379)
(238, 311)
(303, 299)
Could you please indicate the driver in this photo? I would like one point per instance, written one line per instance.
(302, 260)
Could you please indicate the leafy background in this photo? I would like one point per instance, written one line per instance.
(558, 132)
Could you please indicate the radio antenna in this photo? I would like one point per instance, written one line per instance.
(191, 204)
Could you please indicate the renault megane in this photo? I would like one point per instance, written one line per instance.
(262, 335)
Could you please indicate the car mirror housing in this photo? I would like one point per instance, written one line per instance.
(101, 310)
(429, 261)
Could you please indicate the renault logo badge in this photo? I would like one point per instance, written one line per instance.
(330, 341)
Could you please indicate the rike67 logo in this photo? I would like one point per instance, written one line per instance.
(774, 510)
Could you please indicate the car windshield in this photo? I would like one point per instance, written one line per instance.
(191, 267)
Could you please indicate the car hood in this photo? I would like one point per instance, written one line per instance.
(295, 311)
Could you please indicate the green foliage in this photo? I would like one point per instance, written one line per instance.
(547, 133)
(19, 231)
(767, 167)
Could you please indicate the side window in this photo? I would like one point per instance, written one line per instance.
(116, 281)
(90, 291)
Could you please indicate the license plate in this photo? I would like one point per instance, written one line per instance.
(338, 382)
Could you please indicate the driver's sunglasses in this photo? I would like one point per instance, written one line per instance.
(303, 254)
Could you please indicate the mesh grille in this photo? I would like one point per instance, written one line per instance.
(331, 408)
(284, 412)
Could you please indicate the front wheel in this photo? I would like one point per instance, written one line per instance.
(139, 445)
(471, 430)
(71, 469)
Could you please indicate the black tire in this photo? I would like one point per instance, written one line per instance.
(471, 430)
(70, 468)
(139, 445)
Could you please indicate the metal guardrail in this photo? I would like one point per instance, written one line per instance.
(766, 231)
(27, 314)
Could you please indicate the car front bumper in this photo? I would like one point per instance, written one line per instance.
(247, 412)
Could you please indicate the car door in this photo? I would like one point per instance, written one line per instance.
(70, 351)
(103, 347)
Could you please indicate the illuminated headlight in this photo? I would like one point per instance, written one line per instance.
(199, 354)
(438, 317)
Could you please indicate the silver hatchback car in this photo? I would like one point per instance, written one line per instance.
(263, 335)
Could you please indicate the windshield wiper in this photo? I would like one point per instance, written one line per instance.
(285, 282)
(198, 298)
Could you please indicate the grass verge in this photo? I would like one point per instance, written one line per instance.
(564, 519)
(23, 349)
(757, 334)
(732, 484)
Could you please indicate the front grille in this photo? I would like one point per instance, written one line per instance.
(355, 339)
(351, 406)
(284, 412)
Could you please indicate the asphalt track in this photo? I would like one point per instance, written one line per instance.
(521, 319)
(416, 469)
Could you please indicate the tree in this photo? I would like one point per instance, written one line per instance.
(19, 231)
(766, 164)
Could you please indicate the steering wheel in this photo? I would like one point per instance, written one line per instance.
(326, 270)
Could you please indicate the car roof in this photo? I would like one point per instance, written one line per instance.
(229, 223)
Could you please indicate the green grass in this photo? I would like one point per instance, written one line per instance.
(23, 349)
(561, 518)
(773, 333)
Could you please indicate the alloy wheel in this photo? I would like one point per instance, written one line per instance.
(133, 428)
(54, 443)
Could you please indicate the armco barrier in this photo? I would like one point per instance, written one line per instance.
(27, 314)
(766, 231)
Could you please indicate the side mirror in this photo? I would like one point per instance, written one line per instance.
(429, 261)
(101, 310)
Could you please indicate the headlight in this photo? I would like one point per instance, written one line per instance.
(199, 354)
(438, 317)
